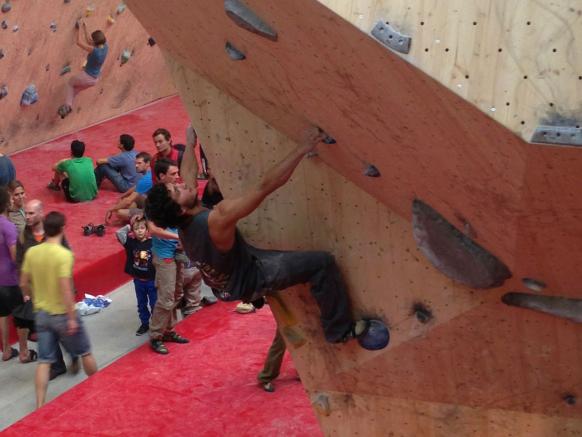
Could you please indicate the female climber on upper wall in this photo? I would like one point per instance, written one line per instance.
(96, 45)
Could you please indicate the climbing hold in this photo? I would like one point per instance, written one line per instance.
(563, 307)
(67, 1)
(89, 10)
(3, 91)
(372, 171)
(320, 403)
(1, 53)
(66, 69)
(326, 138)
(312, 154)
(244, 17)
(53, 26)
(15, 28)
(562, 135)
(569, 398)
(376, 336)
(125, 55)
(47, 67)
(4, 25)
(533, 284)
(151, 42)
(453, 253)
(120, 8)
(391, 38)
(29, 96)
(6, 7)
(422, 313)
(110, 20)
(234, 53)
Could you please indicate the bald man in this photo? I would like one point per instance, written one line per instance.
(32, 235)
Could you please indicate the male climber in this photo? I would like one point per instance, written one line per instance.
(96, 45)
(237, 270)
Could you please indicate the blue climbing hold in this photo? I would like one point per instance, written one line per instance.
(375, 337)
(6, 7)
(29, 96)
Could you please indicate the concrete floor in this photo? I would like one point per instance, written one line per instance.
(112, 335)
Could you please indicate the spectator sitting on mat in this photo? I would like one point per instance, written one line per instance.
(96, 45)
(33, 235)
(17, 198)
(7, 170)
(10, 293)
(119, 169)
(75, 175)
(135, 196)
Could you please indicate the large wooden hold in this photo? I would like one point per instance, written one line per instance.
(460, 361)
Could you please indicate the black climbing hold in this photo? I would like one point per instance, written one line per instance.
(67, 1)
(53, 26)
(3, 91)
(453, 253)
(244, 17)
(4, 25)
(563, 307)
(533, 284)
(47, 67)
(29, 96)
(1, 53)
(66, 69)
(422, 313)
(326, 138)
(569, 398)
(234, 53)
(6, 7)
(372, 171)
(151, 42)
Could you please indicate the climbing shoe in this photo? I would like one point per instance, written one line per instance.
(53, 186)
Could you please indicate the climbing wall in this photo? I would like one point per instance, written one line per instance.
(37, 42)
(427, 202)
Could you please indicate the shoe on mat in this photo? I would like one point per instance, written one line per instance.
(54, 187)
(142, 329)
(99, 230)
(174, 337)
(245, 308)
(88, 229)
(207, 301)
(74, 367)
(159, 347)
(267, 386)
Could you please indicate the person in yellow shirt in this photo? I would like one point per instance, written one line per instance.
(46, 276)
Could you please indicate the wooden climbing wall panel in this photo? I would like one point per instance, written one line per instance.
(518, 61)
(477, 367)
(34, 54)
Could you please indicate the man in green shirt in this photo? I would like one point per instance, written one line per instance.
(76, 175)
(46, 276)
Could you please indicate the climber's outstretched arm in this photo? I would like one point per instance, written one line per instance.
(86, 45)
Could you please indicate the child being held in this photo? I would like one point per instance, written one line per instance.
(138, 249)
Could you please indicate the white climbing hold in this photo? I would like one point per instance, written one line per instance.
(89, 10)
(125, 55)
(120, 8)
(53, 26)
(15, 28)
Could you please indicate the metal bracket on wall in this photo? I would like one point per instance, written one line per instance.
(563, 135)
(391, 38)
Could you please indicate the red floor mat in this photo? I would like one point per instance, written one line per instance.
(205, 388)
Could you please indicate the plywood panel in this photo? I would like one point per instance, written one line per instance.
(518, 61)
(35, 54)
(475, 353)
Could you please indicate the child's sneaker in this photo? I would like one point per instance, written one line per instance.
(142, 329)
(53, 186)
